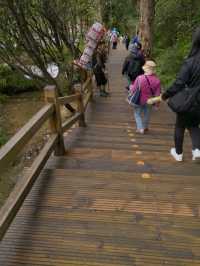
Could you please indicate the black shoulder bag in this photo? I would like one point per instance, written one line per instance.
(186, 101)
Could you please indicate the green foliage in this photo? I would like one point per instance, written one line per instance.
(175, 21)
(39, 32)
(3, 98)
(120, 14)
(3, 137)
(12, 82)
(169, 60)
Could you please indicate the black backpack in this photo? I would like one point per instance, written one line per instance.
(134, 68)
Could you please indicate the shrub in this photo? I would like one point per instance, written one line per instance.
(169, 61)
(175, 21)
(3, 137)
(12, 82)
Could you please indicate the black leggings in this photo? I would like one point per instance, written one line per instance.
(179, 137)
(114, 46)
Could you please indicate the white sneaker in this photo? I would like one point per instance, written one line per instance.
(177, 157)
(141, 131)
(196, 155)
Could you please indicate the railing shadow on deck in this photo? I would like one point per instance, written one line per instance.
(55, 143)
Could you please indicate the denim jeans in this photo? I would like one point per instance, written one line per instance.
(142, 116)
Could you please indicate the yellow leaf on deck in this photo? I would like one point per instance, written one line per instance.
(133, 140)
(140, 163)
(135, 146)
(146, 176)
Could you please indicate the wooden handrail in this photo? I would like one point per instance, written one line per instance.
(9, 151)
(87, 83)
(71, 121)
(56, 143)
(86, 100)
(67, 99)
(23, 186)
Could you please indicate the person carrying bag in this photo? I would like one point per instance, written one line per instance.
(184, 99)
(134, 96)
(133, 63)
(144, 87)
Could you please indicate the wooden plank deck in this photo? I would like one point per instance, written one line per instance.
(116, 198)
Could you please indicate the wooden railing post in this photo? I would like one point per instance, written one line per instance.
(80, 105)
(51, 96)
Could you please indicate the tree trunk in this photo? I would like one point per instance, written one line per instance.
(147, 13)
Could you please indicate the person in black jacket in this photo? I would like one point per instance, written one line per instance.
(127, 41)
(99, 68)
(189, 76)
(132, 66)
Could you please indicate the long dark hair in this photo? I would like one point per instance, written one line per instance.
(195, 50)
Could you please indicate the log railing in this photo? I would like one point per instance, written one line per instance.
(9, 152)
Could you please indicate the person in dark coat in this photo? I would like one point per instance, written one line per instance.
(98, 64)
(127, 41)
(114, 40)
(189, 76)
(133, 63)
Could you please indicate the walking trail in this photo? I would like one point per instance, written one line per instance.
(115, 198)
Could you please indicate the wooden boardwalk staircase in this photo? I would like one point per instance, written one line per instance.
(114, 198)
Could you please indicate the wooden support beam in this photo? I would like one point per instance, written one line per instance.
(51, 96)
(81, 109)
(86, 85)
(86, 100)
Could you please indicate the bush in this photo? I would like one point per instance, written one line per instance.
(3, 98)
(169, 61)
(175, 21)
(3, 137)
(12, 82)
